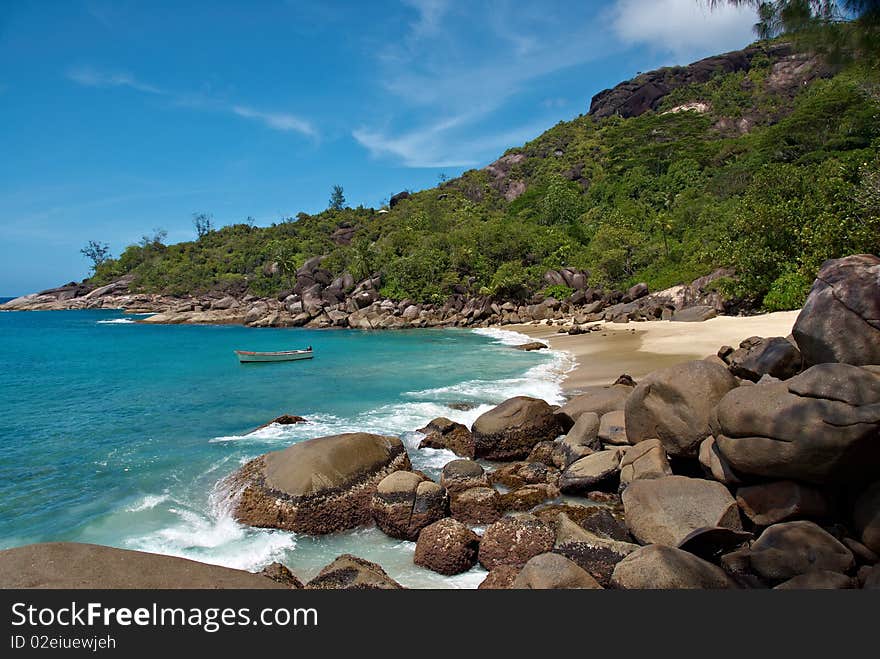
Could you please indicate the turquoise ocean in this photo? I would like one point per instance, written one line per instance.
(118, 433)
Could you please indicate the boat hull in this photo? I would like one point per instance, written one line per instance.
(268, 357)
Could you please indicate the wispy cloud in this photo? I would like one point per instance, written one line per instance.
(281, 121)
(89, 77)
(446, 72)
(438, 145)
(277, 120)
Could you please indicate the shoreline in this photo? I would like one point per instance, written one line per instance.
(638, 348)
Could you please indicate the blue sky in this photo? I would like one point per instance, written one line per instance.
(118, 117)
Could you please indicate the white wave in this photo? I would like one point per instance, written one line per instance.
(541, 381)
(148, 502)
(116, 321)
(214, 537)
(504, 337)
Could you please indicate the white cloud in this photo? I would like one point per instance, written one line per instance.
(430, 15)
(280, 121)
(443, 144)
(277, 120)
(684, 28)
(88, 77)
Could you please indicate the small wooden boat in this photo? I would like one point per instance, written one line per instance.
(248, 357)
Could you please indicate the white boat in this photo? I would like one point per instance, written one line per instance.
(247, 356)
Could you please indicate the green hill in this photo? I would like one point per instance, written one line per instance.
(764, 160)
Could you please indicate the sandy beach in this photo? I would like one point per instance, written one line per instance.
(639, 348)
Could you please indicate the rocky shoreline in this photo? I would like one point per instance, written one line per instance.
(320, 301)
(755, 467)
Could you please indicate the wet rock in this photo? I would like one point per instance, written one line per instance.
(518, 474)
(527, 497)
(279, 573)
(510, 430)
(595, 553)
(477, 505)
(447, 546)
(460, 475)
(710, 542)
(500, 578)
(349, 572)
(443, 433)
(283, 420)
(514, 540)
(405, 503)
(665, 510)
(317, 486)
(534, 345)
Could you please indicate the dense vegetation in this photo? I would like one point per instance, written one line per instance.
(764, 181)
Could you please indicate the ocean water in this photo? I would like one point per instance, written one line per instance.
(118, 433)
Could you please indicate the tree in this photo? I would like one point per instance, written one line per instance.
(337, 198)
(204, 224)
(842, 29)
(561, 204)
(96, 252)
(156, 240)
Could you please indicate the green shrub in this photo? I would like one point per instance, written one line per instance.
(789, 291)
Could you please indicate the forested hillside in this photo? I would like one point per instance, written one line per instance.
(765, 160)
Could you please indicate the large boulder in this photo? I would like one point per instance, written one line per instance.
(777, 501)
(514, 540)
(594, 552)
(580, 441)
(822, 426)
(500, 578)
(477, 505)
(405, 503)
(510, 430)
(646, 459)
(789, 549)
(592, 472)
(777, 357)
(840, 321)
(76, 565)
(599, 400)
(461, 475)
(446, 434)
(675, 404)
(349, 572)
(866, 517)
(317, 486)
(552, 571)
(695, 314)
(666, 510)
(447, 546)
(661, 567)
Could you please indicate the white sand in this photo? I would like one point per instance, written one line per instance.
(637, 348)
